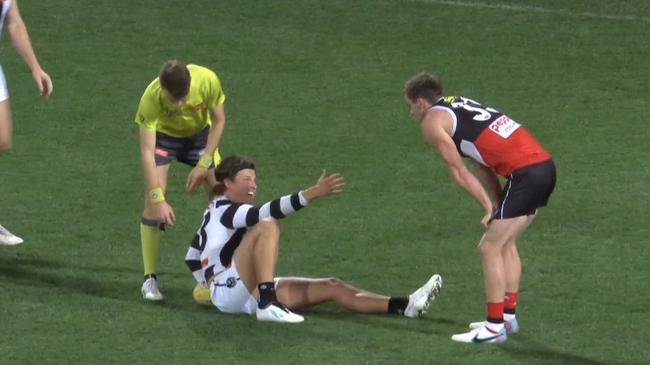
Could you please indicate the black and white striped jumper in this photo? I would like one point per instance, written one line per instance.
(223, 227)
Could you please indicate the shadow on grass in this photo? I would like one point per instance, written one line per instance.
(98, 281)
(531, 352)
(430, 324)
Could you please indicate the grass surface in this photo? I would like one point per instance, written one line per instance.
(315, 84)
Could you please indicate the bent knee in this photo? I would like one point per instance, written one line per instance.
(488, 247)
(268, 225)
(334, 281)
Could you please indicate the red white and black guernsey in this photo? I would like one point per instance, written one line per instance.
(494, 140)
(490, 137)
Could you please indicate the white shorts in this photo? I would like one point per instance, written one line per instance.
(230, 295)
(4, 92)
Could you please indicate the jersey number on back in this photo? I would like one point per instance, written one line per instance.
(482, 114)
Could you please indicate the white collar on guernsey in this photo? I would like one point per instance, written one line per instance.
(448, 110)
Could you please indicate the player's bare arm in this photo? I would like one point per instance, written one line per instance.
(488, 179)
(326, 185)
(20, 39)
(436, 129)
(155, 192)
(199, 172)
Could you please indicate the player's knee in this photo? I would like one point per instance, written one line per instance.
(268, 226)
(487, 247)
(334, 282)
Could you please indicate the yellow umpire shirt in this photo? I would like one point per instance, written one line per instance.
(157, 112)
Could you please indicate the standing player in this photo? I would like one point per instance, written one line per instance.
(181, 117)
(459, 127)
(235, 252)
(12, 22)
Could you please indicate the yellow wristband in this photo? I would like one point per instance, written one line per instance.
(205, 161)
(156, 195)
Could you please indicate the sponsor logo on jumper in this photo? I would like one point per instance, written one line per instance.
(504, 126)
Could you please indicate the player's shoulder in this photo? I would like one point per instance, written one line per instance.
(152, 90)
(201, 72)
(443, 108)
(222, 202)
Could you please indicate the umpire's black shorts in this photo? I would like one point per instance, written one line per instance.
(187, 150)
(527, 189)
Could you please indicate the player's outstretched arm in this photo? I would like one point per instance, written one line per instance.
(247, 215)
(325, 185)
(20, 38)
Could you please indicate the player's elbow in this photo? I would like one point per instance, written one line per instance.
(15, 28)
(457, 174)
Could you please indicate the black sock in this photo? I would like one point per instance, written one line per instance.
(397, 305)
(267, 293)
(148, 276)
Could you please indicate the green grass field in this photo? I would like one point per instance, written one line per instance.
(313, 84)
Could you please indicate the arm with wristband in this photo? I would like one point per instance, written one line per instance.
(199, 172)
(156, 205)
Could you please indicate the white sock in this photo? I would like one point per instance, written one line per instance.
(508, 317)
(494, 327)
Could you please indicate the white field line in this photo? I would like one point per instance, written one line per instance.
(535, 9)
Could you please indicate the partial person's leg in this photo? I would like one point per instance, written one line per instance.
(513, 277)
(257, 254)
(256, 258)
(511, 259)
(5, 115)
(5, 124)
(151, 231)
(491, 248)
(299, 293)
(6, 237)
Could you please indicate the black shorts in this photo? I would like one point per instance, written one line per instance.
(187, 150)
(527, 189)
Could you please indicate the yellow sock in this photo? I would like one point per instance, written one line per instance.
(150, 236)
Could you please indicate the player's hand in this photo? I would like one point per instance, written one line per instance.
(196, 177)
(165, 213)
(43, 82)
(326, 185)
(487, 218)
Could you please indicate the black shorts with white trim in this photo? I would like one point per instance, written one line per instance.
(527, 189)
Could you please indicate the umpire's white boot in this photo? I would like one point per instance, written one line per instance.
(150, 290)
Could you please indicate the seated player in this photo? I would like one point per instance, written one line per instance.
(235, 251)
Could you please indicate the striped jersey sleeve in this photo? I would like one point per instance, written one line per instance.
(246, 215)
(193, 256)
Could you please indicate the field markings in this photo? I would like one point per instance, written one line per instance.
(535, 9)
